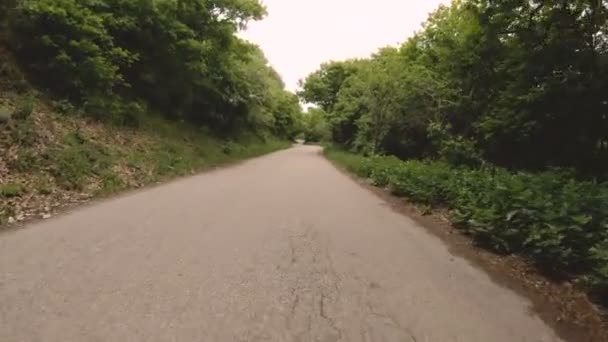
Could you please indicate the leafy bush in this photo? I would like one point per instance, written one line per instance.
(115, 110)
(455, 150)
(64, 107)
(558, 222)
(69, 46)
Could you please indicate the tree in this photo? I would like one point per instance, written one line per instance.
(315, 125)
(181, 58)
(322, 86)
(524, 82)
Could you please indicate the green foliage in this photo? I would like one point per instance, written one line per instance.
(287, 116)
(78, 159)
(75, 51)
(64, 107)
(182, 149)
(119, 58)
(24, 108)
(521, 84)
(323, 86)
(545, 104)
(455, 150)
(315, 127)
(171, 159)
(11, 190)
(24, 132)
(26, 161)
(559, 223)
(114, 110)
(230, 147)
(258, 149)
(111, 183)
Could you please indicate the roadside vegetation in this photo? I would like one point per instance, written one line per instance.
(497, 111)
(97, 96)
(557, 222)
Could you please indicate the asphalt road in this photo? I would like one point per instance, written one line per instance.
(280, 248)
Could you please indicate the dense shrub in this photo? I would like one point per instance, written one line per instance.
(69, 47)
(558, 222)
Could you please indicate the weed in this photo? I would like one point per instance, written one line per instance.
(25, 107)
(64, 107)
(26, 161)
(11, 190)
(169, 159)
(232, 148)
(110, 183)
(44, 186)
(77, 160)
(115, 110)
(24, 132)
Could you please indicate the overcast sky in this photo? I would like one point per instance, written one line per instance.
(298, 35)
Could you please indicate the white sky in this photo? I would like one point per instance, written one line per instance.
(298, 35)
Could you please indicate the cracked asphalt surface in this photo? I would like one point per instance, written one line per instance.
(279, 248)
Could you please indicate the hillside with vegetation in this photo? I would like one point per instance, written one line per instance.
(497, 110)
(102, 95)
